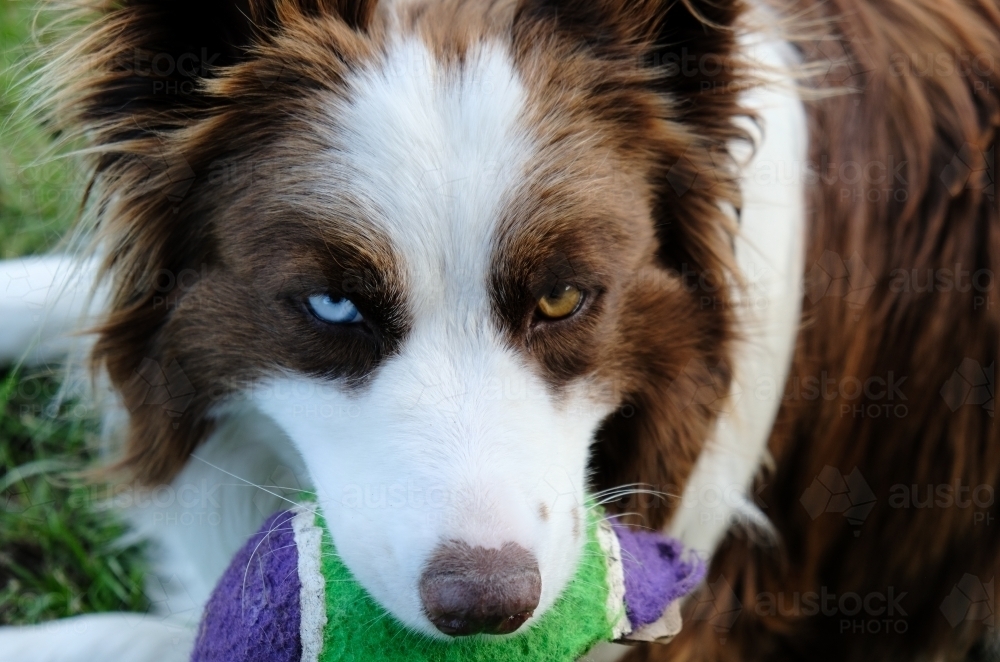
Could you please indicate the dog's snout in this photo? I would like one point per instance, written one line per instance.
(468, 590)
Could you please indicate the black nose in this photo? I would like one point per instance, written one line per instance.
(469, 590)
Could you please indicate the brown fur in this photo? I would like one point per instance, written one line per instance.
(923, 222)
(614, 55)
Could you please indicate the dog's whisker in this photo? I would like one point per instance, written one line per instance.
(601, 493)
(252, 484)
(612, 497)
(374, 621)
(626, 514)
(273, 487)
(253, 555)
(635, 488)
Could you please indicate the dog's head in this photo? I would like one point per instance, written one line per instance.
(469, 255)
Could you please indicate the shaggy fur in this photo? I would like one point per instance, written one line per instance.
(925, 217)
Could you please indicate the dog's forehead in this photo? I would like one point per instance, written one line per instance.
(448, 159)
(437, 153)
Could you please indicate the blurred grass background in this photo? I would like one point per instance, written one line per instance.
(59, 553)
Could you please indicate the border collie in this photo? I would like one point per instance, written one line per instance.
(454, 265)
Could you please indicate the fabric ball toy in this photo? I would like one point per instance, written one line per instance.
(287, 597)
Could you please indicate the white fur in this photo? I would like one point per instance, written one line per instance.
(43, 301)
(99, 637)
(242, 474)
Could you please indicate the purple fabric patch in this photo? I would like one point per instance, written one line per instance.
(253, 614)
(656, 573)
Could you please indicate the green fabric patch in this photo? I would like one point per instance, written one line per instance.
(359, 630)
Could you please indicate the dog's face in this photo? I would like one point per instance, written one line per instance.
(454, 294)
(455, 328)
(438, 251)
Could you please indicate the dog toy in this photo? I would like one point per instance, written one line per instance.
(287, 597)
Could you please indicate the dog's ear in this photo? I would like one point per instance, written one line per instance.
(143, 64)
(608, 26)
(687, 54)
(684, 48)
(145, 87)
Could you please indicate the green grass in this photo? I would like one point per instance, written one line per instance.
(59, 553)
(39, 195)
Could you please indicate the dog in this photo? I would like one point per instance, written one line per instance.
(458, 267)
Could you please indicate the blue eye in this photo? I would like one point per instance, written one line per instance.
(334, 311)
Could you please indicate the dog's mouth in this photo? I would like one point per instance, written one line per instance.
(466, 583)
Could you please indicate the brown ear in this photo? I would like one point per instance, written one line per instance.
(141, 88)
(684, 48)
(684, 55)
(147, 60)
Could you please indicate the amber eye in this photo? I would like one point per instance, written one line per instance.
(561, 302)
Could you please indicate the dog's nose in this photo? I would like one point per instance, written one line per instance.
(469, 590)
